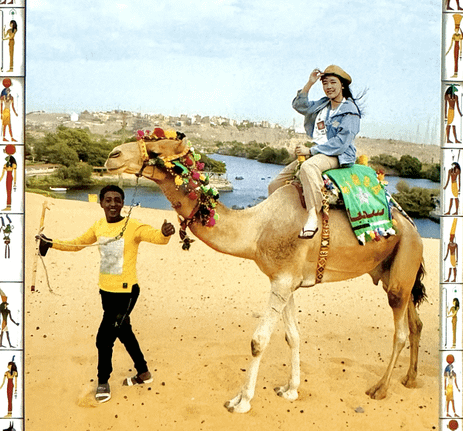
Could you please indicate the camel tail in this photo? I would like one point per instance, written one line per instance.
(419, 291)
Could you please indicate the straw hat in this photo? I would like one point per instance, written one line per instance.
(337, 71)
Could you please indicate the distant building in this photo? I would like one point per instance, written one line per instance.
(74, 117)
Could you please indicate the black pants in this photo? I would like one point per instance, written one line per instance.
(116, 324)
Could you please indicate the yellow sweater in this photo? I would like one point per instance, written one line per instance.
(118, 272)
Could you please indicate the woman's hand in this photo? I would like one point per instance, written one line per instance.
(313, 78)
(302, 150)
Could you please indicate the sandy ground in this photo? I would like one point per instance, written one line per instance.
(194, 319)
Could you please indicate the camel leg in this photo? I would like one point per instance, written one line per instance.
(279, 297)
(398, 282)
(415, 326)
(289, 391)
(399, 309)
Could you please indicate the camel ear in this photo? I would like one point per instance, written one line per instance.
(167, 149)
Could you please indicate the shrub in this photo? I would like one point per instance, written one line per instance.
(432, 172)
(385, 160)
(272, 155)
(416, 201)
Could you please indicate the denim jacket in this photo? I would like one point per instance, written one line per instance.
(341, 128)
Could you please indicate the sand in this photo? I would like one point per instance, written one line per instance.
(194, 319)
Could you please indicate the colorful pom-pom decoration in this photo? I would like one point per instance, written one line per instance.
(159, 133)
(186, 170)
(170, 134)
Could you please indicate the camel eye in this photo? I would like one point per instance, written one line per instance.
(115, 154)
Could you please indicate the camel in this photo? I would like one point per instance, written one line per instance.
(268, 234)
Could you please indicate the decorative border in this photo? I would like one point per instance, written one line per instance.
(451, 219)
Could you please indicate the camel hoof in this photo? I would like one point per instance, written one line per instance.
(409, 382)
(284, 392)
(238, 405)
(377, 392)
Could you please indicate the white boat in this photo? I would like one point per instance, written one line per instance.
(59, 189)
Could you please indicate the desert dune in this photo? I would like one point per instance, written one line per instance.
(194, 319)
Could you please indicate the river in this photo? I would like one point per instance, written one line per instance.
(249, 190)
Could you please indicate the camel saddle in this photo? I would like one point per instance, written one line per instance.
(367, 204)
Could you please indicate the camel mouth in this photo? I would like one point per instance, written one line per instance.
(115, 169)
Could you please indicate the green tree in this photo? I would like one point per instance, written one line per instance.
(80, 173)
(58, 153)
(212, 165)
(76, 139)
(409, 167)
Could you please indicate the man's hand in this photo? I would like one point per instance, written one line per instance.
(167, 228)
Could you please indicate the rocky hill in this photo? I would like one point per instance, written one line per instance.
(205, 133)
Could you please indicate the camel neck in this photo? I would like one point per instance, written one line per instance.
(232, 234)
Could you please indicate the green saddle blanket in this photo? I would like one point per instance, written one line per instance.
(365, 200)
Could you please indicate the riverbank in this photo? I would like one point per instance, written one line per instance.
(46, 182)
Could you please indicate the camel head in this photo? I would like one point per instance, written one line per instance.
(134, 157)
(171, 162)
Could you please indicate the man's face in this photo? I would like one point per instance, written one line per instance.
(112, 205)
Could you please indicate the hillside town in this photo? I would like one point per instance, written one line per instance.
(108, 122)
(208, 130)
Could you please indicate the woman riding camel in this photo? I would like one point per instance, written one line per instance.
(332, 123)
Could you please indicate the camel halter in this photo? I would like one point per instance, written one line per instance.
(203, 195)
(185, 222)
(147, 161)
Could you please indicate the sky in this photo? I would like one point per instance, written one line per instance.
(242, 59)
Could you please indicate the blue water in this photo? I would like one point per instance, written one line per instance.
(249, 190)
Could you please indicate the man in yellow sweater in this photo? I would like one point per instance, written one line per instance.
(117, 282)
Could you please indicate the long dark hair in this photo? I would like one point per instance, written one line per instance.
(15, 25)
(347, 94)
(14, 368)
(346, 91)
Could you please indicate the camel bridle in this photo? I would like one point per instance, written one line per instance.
(146, 160)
